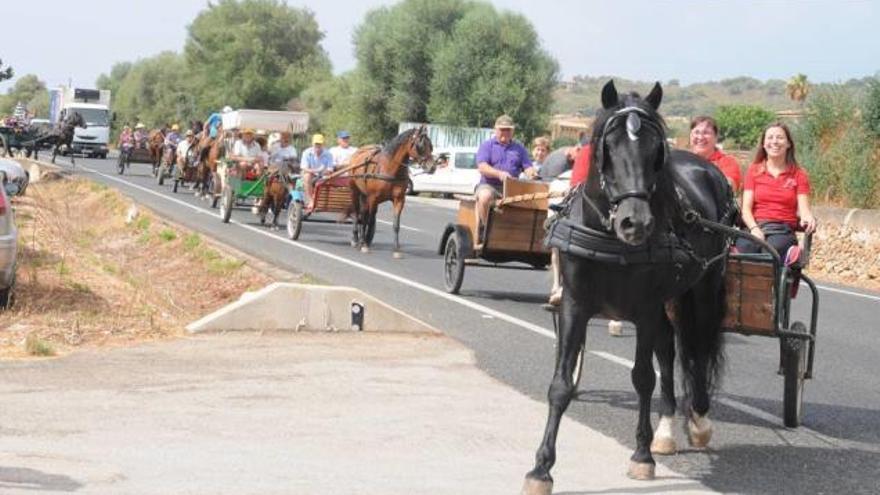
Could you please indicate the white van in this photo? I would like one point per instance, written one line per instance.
(460, 176)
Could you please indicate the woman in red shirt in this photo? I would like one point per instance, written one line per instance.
(704, 143)
(776, 194)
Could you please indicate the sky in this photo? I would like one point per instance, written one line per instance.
(831, 41)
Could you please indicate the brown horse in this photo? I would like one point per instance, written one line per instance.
(274, 195)
(381, 175)
(155, 143)
(210, 151)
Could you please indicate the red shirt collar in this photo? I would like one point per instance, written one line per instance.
(761, 168)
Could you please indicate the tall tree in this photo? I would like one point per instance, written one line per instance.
(493, 64)
(395, 49)
(797, 88)
(114, 80)
(156, 91)
(253, 54)
(26, 88)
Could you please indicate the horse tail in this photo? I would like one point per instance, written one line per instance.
(698, 315)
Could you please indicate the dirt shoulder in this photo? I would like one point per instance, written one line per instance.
(96, 270)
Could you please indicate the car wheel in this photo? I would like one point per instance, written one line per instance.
(409, 188)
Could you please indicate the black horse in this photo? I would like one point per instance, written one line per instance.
(64, 131)
(633, 247)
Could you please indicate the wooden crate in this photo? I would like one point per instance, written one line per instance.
(751, 292)
(517, 230)
(516, 187)
(333, 196)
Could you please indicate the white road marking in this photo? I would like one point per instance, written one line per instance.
(404, 227)
(487, 311)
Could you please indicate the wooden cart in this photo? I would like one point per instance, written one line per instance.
(332, 195)
(514, 232)
(760, 288)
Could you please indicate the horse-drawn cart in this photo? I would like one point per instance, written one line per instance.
(514, 232)
(331, 195)
(234, 183)
(760, 288)
(28, 139)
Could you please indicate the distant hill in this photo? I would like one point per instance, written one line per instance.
(581, 96)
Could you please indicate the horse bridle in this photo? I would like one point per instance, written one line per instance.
(633, 125)
(419, 145)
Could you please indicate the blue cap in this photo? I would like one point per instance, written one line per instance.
(343, 134)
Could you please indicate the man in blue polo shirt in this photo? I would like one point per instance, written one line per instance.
(498, 158)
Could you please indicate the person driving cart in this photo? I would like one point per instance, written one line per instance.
(498, 158)
(183, 148)
(140, 136)
(315, 162)
(247, 150)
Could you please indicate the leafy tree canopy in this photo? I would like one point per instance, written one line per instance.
(253, 54)
(25, 90)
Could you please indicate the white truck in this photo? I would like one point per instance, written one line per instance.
(94, 106)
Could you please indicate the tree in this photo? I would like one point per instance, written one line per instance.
(493, 64)
(26, 88)
(253, 54)
(114, 80)
(797, 88)
(395, 49)
(156, 91)
(871, 112)
(6, 73)
(742, 124)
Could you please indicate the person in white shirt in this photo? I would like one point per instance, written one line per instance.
(248, 150)
(183, 148)
(343, 150)
(282, 153)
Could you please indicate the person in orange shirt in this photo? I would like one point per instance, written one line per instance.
(704, 143)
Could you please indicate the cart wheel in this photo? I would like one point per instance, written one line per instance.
(226, 200)
(794, 367)
(174, 187)
(453, 270)
(214, 199)
(120, 164)
(294, 220)
(160, 175)
(5, 151)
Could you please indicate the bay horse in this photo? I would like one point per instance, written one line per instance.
(64, 132)
(274, 196)
(382, 174)
(632, 247)
(210, 151)
(156, 145)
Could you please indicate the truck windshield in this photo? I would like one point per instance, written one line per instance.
(93, 116)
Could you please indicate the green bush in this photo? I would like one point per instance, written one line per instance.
(838, 149)
(742, 125)
(871, 112)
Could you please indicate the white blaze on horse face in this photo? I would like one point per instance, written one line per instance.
(633, 124)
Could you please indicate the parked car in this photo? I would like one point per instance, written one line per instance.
(458, 176)
(8, 242)
(15, 173)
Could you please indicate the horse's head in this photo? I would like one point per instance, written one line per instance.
(420, 148)
(630, 151)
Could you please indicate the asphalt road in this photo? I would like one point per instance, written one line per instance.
(498, 316)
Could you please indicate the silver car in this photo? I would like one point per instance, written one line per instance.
(8, 241)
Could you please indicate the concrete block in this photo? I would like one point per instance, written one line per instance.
(293, 307)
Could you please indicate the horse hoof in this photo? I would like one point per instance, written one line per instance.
(643, 471)
(365, 249)
(663, 446)
(397, 255)
(615, 328)
(664, 443)
(699, 430)
(537, 487)
(354, 244)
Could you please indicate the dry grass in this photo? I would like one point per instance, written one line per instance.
(88, 278)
